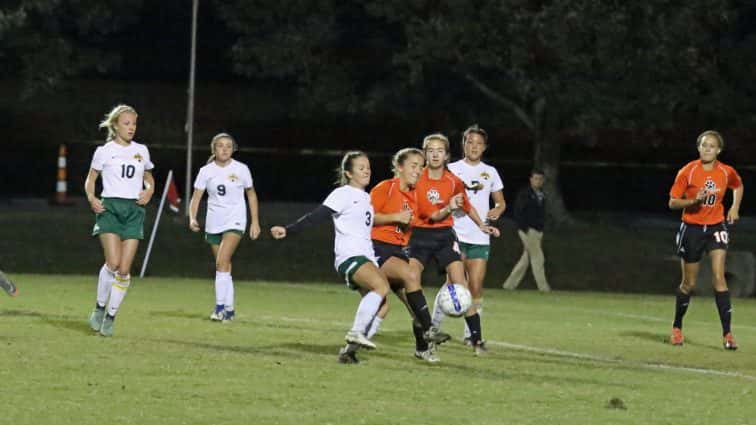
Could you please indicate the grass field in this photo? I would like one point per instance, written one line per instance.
(555, 358)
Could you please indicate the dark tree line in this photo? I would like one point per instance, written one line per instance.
(556, 66)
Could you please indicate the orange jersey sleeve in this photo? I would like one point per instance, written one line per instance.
(692, 178)
(435, 194)
(388, 198)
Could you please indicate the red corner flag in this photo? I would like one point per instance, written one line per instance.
(174, 201)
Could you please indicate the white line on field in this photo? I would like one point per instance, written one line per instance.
(650, 318)
(556, 352)
(646, 365)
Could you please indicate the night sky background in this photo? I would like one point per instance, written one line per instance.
(359, 89)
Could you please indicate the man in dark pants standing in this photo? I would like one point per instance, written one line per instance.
(530, 215)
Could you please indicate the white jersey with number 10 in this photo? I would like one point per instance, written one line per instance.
(122, 169)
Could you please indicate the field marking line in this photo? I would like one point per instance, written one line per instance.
(646, 365)
(557, 352)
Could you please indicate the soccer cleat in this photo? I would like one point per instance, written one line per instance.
(427, 355)
(7, 285)
(107, 326)
(360, 339)
(467, 341)
(480, 348)
(677, 337)
(434, 335)
(729, 342)
(96, 318)
(228, 316)
(348, 354)
(217, 314)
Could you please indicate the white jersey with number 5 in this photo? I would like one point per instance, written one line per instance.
(352, 222)
(122, 169)
(466, 229)
(226, 201)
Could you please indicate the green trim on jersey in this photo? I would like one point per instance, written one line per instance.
(121, 216)
(216, 238)
(348, 268)
(472, 251)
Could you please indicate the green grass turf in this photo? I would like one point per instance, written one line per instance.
(555, 358)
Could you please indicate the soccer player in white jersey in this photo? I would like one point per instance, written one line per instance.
(352, 212)
(482, 183)
(127, 186)
(227, 182)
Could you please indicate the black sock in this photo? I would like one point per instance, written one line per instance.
(725, 309)
(419, 306)
(420, 343)
(473, 322)
(681, 307)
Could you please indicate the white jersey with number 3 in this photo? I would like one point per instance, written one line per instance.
(226, 201)
(122, 169)
(352, 221)
(466, 229)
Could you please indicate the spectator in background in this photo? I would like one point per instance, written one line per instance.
(530, 215)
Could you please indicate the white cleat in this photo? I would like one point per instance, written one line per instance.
(427, 355)
(360, 339)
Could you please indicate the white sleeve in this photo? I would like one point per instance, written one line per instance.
(338, 200)
(148, 165)
(247, 178)
(496, 184)
(201, 181)
(98, 159)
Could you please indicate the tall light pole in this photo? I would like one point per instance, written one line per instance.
(190, 108)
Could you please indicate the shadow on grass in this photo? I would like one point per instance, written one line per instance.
(240, 349)
(664, 339)
(20, 313)
(75, 324)
(180, 314)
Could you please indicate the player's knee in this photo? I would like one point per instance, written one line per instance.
(223, 265)
(688, 285)
(719, 282)
(112, 266)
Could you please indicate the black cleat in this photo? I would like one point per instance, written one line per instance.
(7, 285)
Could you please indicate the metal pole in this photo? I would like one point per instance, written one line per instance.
(155, 225)
(190, 108)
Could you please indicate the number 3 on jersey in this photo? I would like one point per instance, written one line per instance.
(368, 219)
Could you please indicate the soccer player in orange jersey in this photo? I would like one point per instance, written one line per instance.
(394, 202)
(698, 190)
(439, 194)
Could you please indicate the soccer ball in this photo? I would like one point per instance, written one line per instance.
(454, 299)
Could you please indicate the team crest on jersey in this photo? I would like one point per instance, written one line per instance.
(433, 196)
(138, 157)
(233, 177)
(485, 175)
(710, 186)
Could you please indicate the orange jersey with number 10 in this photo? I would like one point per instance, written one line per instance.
(692, 177)
(433, 195)
(388, 198)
